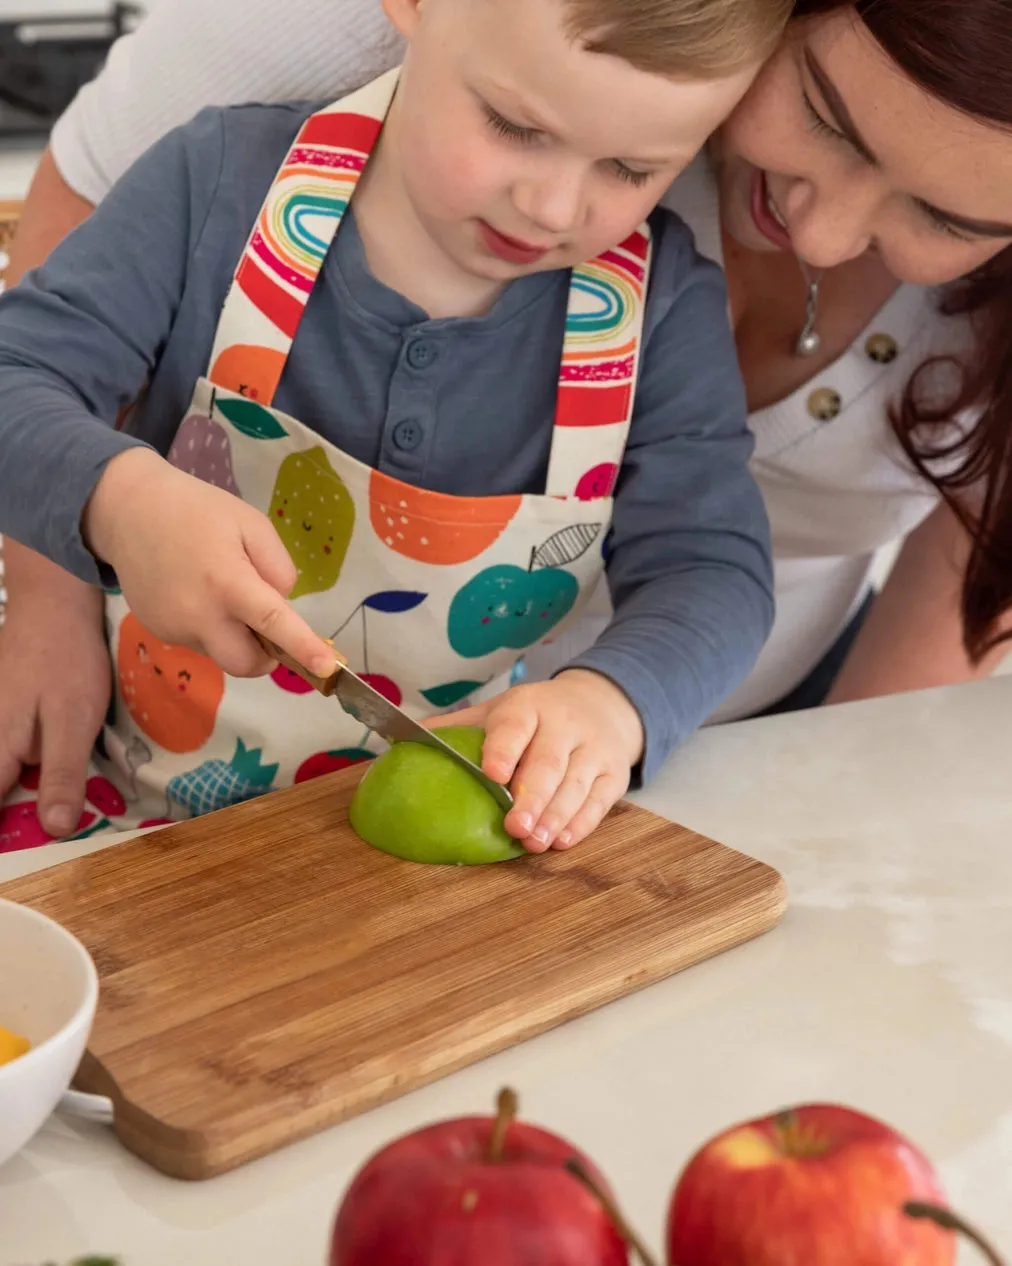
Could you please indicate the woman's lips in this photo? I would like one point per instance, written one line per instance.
(765, 220)
(510, 249)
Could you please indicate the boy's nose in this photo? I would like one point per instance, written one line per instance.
(553, 202)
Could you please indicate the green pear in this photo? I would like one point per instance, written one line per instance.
(420, 805)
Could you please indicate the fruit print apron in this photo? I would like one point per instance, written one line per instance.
(430, 596)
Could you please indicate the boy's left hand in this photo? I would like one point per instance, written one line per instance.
(568, 747)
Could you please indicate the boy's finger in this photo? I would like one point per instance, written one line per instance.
(67, 742)
(570, 798)
(607, 789)
(539, 775)
(264, 610)
(466, 716)
(509, 730)
(267, 553)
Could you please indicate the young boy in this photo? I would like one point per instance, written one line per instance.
(412, 412)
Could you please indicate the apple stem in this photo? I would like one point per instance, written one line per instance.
(507, 1110)
(950, 1221)
(579, 1171)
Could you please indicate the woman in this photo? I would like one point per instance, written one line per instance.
(867, 167)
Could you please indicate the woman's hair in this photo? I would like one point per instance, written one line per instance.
(697, 38)
(960, 51)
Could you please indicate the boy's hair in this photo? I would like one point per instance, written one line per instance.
(695, 38)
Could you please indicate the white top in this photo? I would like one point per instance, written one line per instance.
(836, 491)
(887, 987)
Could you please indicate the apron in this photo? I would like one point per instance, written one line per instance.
(430, 596)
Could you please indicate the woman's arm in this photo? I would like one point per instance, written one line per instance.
(912, 638)
(51, 210)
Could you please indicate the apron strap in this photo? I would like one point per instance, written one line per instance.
(600, 364)
(289, 242)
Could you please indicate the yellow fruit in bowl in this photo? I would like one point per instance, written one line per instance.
(418, 804)
(12, 1046)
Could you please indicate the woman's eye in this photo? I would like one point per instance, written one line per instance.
(943, 226)
(631, 176)
(510, 131)
(817, 123)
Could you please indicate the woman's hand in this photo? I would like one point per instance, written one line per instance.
(55, 684)
(198, 566)
(567, 746)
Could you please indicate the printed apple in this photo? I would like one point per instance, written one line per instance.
(505, 606)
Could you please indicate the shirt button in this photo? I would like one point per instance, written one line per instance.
(881, 348)
(407, 434)
(421, 354)
(824, 404)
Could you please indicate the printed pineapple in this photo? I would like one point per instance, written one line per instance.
(217, 784)
(201, 448)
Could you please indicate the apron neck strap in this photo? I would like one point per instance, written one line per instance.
(294, 231)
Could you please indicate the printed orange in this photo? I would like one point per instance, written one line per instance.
(171, 692)
(432, 527)
(252, 371)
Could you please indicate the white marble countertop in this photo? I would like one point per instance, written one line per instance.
(888, 987)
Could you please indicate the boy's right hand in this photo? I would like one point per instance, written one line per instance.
(198, 566)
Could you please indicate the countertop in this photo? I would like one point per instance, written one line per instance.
(887, 987)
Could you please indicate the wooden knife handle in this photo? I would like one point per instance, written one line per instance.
(325, 685)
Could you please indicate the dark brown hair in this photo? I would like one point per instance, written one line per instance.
(960, 51)
(698, 38)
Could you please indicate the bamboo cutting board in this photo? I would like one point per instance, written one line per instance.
(265, 974)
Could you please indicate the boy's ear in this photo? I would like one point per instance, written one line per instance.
(403, 14)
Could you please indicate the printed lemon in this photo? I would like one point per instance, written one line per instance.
(420, 805)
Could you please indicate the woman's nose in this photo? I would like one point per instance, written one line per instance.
(830, 224)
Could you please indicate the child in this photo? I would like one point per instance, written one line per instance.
(411, 414)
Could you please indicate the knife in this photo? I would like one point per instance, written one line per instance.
(376, 712)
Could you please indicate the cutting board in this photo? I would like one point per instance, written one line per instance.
(265, 974)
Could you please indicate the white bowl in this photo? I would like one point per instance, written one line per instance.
(48, 994)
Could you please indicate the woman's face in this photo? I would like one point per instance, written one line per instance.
(834, 151)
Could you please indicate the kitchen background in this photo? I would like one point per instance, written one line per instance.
(47, 49)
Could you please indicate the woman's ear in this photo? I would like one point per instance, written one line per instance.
(403, 15)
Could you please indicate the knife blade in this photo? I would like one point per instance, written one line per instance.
(377, 712)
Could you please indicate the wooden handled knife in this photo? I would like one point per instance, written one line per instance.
(376, 712)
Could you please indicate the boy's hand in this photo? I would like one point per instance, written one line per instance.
(197, 565)
(568, 746)
(55, 682)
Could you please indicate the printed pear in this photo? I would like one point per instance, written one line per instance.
(314, 515)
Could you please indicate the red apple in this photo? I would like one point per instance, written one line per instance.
(818, 1184)
(476, 1191)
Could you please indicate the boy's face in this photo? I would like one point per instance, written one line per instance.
(520, 151)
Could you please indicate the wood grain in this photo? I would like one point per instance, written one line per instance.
(266, 975)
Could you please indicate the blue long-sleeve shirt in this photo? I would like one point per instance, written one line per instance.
(127, 307)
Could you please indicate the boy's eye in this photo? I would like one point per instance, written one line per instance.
(510, 131)
(630, 175)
